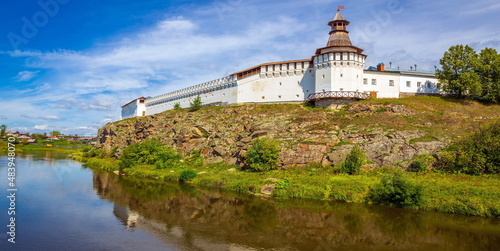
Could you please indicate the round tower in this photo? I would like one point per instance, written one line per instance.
(339, 65)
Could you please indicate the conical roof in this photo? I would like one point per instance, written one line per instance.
(338, 16)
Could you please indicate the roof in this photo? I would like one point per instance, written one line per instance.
(274, 63)
(338, 17)
(141, 98)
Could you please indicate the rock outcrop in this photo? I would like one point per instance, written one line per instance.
(223, 135)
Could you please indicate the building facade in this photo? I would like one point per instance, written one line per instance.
(335, 73)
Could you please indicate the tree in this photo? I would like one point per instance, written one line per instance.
(196, 104)
(489, 73)
(458, 73)
(55, 133)
(177, 106)
(3, 129)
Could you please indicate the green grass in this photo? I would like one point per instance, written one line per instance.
(459, 194)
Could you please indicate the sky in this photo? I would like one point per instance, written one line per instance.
(70, 65)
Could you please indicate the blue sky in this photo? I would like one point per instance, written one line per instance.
(69, 65)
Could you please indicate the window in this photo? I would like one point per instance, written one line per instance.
(429, 84)
(341, 75)
(408, 83)
(280, 83)
(279, 96)
(263, 97)
(391, 82)
(365, 81)
(298, 95)
(419, 84)
(374, 82)
(323, 76)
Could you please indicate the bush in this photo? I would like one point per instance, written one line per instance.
(177, 106)
(149, 152)
(196, 104)
(91, 153)
(396, 190)
(263, 155)
(187, 175)
(479, 153)
(354, 161)
(422, 163)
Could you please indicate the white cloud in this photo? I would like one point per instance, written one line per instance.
(41, 127)
(50, 117)
(25, 76)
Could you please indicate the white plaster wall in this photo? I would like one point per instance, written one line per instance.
(424, 79)
(130, 110)
(383, 88)
(288, 85)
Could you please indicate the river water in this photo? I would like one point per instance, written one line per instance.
(62, 205)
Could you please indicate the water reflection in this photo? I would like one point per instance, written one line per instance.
(192, 219)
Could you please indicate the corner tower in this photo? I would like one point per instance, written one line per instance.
(339, 65)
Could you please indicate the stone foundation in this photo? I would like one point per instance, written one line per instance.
(334, 104)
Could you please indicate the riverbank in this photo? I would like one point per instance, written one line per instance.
(451, 193)
(421, 144)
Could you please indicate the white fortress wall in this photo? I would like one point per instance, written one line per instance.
(217, 92)
(277, 82)
(386, 84)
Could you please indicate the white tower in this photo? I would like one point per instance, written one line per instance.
(339, 65)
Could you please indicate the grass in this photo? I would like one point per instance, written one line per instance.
(459, 194)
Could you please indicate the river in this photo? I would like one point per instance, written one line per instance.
(62, 205)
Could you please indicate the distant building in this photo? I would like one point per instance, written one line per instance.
(334, 75)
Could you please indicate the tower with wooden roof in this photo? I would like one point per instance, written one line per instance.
(339, 65)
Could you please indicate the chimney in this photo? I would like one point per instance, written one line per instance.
(381, 67)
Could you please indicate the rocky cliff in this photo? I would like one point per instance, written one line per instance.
(388, 133)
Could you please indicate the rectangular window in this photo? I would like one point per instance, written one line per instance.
(408, 83)
(365, 81)
(391, 82)
(374, 82)
(419, 84)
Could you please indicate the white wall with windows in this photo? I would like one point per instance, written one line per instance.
(415, 82)
(385, 84)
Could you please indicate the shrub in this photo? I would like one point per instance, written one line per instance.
(94, 152)
(187, 175)
(354, 161)
(422, 163)
(396, 190)
(283, 183)
(177, 106)
(196, 104)
(263, 155)
(149, 152)
(479, 153)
